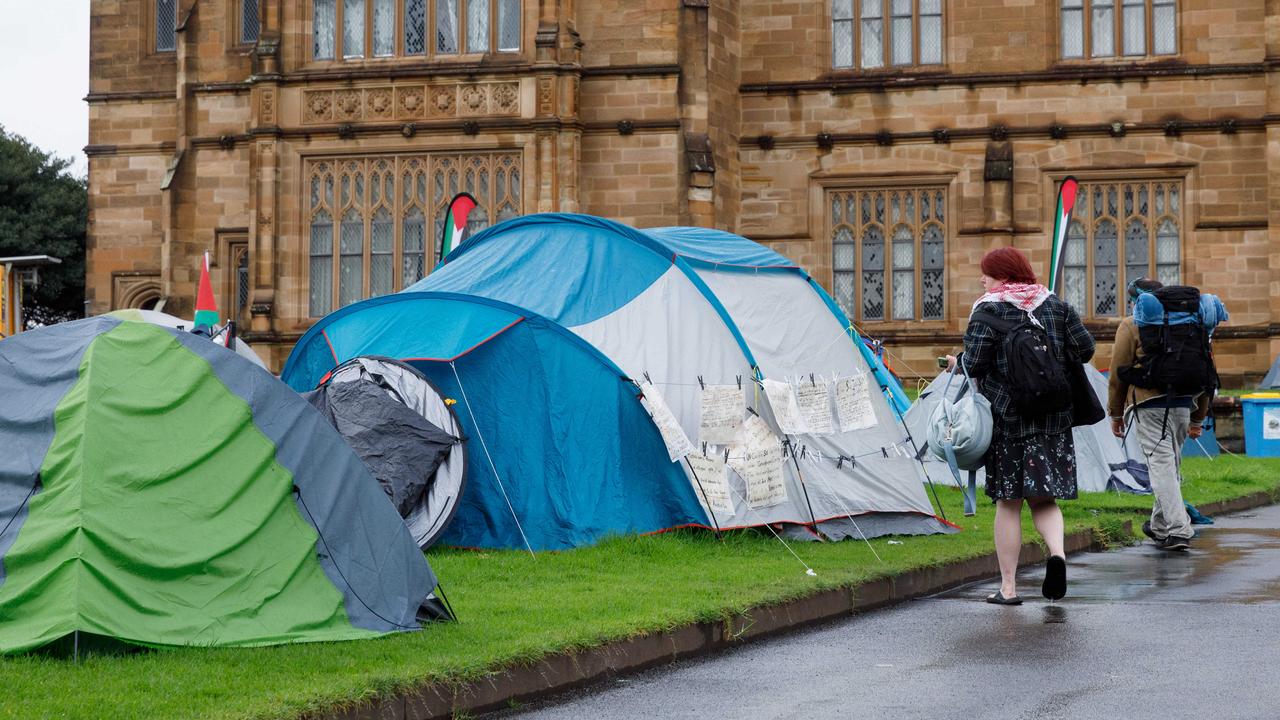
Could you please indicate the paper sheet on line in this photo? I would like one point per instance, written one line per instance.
(815, 406)
(722, 410)
(782, 398)
(678, 444)
(853, 404)
(758, 460)
(712, 480)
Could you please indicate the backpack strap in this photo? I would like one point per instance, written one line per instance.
(994, 321)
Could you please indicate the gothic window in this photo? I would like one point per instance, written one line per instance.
(1121, 232)
(166, 25)
(249, 21)
(356, 29)
(375, 221)
(872, 34)
(888, 252)
(1118, 28)
(238, 280)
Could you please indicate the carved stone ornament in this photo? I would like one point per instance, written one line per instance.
(1058, 131)
(941, 135)
(319, 106)
(443, 101)
(408, 130)
(347, 103)
(474, 100)
(346, 131)
(825, 141)
(409, 102)
(884, 138)
(378, 103)
(765, 142)
(506, 98)
(999, 133)
(227, 142)
(471, 127)
(626, 127)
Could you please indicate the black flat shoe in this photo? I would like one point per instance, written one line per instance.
(998, 599)
(1055, 578)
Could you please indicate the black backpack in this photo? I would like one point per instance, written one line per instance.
(1177, 358)
(1037, 379)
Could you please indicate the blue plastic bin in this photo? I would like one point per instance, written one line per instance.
(1261, 424)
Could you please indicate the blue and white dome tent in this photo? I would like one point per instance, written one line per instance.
(546, 319)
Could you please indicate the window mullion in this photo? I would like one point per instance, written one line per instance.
(915, 42)
(886, 53)
(1086, 29)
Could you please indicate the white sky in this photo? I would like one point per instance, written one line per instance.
(44, 75)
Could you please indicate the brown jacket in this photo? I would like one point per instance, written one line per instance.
(1123, 395)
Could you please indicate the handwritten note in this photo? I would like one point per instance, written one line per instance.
(853, 404)
(711, 483)
(815, 406)
(782, 398)
(678, 444)
(758, 460)
(722, 408)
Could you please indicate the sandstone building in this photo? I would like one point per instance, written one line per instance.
(885, 144)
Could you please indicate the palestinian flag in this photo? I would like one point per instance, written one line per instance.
(206, 304)
(1061, 220)
(455, 223)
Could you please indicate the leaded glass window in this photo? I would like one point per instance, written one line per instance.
(356, 29)
(353, 28)
(1072, 29)
(324, 29)
(508, 25)
(446, 27)
(1110, 243)
(390, 213)
(1118, 28)
(875, 33)
(166, 25)
(384, 28)
(249, 21)
(888, 253)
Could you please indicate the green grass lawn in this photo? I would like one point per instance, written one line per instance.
(514, 607)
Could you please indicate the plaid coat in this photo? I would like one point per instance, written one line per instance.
(984, 358)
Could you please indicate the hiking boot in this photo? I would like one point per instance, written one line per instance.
(1146, 530)
(1174, 543)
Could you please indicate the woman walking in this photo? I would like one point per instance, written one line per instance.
(1032, 454)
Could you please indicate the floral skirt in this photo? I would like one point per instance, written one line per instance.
(1035, 466)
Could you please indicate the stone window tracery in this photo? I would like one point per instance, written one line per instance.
(869, 34)
(1118, 28)
(357, 29)
(888, 252)
(389, 213)
(1120, 232)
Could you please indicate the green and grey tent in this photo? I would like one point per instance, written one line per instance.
(159, 489)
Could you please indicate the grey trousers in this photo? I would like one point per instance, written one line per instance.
(1164, 459)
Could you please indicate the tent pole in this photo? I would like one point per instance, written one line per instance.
(493, 467)
(916, 449)
(791, 447)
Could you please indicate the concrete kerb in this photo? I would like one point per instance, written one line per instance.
(560, 673)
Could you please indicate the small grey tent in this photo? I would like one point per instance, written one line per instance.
(1101, 461)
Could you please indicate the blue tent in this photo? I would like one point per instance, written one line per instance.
(539, 402)
(557, 325)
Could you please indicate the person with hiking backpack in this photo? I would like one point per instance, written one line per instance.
(1162, 381)
(1019, 343)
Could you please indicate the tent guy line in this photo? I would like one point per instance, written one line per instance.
(496, 476)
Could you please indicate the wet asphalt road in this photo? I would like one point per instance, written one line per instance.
(1142, 634)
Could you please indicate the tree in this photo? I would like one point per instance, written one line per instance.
(44, 210)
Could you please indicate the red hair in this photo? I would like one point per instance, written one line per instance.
(1008, 264)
